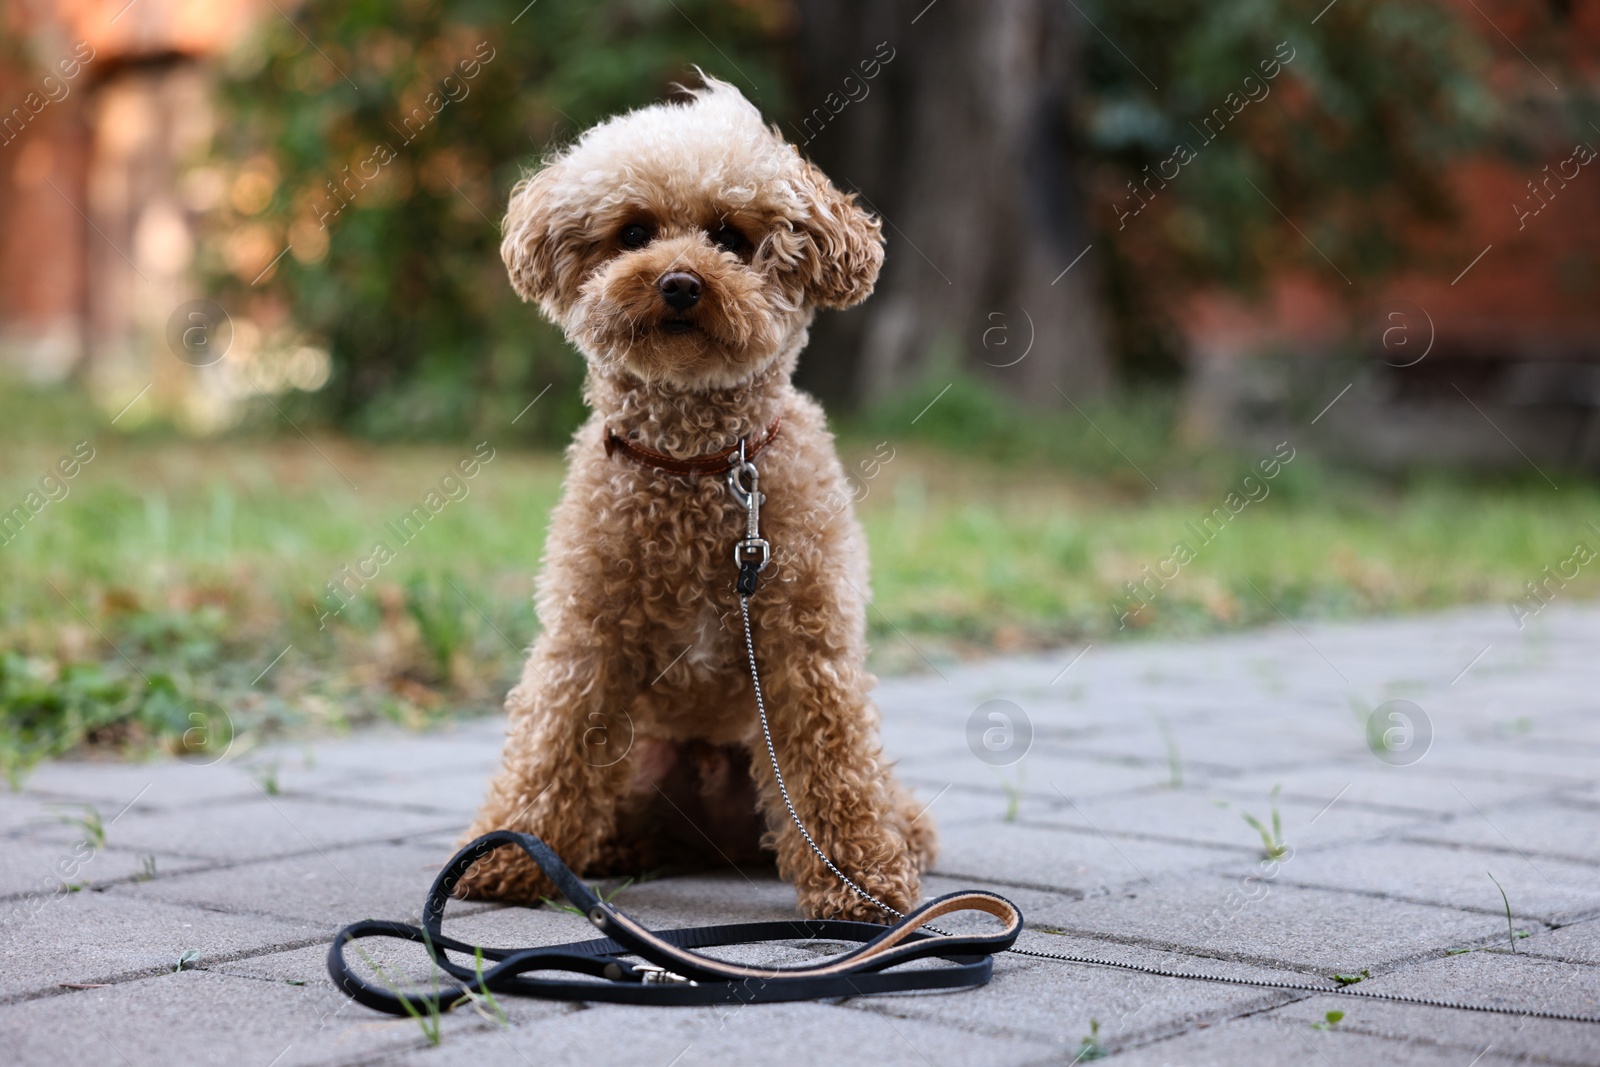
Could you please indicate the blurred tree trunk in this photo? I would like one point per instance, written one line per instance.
(962, 142)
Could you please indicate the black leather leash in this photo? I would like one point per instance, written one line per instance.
(673, 973)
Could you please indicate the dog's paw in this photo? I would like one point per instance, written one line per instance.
(842, 902)
(823, 896)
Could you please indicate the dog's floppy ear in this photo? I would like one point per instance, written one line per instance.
(532, 248)
(845, 243)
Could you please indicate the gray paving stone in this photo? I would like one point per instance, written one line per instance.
(789, 1034)
(33, 867)
(1076, 860)
(329, 889)
(93, 937)
(268, 826)
(446, 840)
(157, 784)
(1203, 817)
(1037, 774)
(949, 804)
(208, 1020)
(1239, 746)
(1554, 893)
(1040, 937)
(1273, 1042)
(1369, 783)
(1461, 1034)
(403, 961)
(1580, 941)
(1561, 721)
(1468, 762)
(1058, 1003)
(721, 896)
(1501, 979)
(307, 966)
(1528, 832)
(906, 739)
(475, 744)
(22, 814)
(457, 794)
(1312, 930)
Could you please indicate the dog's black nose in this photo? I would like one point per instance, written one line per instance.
(680, 289)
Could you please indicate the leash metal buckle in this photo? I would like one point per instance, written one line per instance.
(650, 974)
(750, 499)
(756, 544)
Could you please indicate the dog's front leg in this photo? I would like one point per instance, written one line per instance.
(825, 733)
(562, 771)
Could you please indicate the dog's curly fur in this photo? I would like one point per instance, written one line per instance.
(633, 738)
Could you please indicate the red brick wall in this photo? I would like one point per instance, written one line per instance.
(1535, 293)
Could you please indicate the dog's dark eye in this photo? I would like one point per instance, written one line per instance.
(634, 236)
(730, 240)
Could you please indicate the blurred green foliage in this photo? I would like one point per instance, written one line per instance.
(48, 709)
(401, 278)
(1350, 135)
(1351, 138)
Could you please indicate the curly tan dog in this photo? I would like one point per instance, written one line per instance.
(684, 248)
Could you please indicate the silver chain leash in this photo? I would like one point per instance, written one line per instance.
(745, 554)
(752, 555)
(772, 753)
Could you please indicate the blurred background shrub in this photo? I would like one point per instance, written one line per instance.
(395, 266)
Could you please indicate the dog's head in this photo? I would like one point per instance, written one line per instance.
(687, 241)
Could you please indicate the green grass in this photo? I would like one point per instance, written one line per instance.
(170, 599)
(1512, 934)
(1330, 1020)
(983, 558)
(1273, 846)
(1090, 1048)
(605, 898)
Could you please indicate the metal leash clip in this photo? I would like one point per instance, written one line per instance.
(752, 553)
(650, 974)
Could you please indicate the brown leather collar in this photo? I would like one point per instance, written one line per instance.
(708, 463)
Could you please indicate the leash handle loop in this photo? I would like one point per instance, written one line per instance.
(672, 972)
